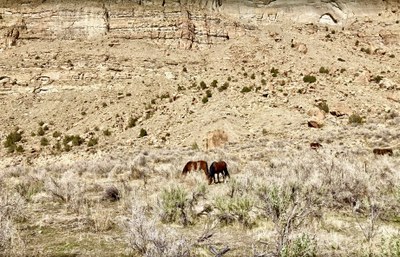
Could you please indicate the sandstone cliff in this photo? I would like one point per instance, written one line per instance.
(183, 24)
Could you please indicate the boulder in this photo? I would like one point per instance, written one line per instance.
(216, 138)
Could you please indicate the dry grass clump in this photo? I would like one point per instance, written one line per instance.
(146, 238)
(68, 189)
(11, 211)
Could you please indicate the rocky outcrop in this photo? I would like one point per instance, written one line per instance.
(177, 26)
(178, 23)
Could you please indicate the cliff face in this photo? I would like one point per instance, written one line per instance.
(177, 23)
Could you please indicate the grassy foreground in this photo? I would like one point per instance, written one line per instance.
(279, 202)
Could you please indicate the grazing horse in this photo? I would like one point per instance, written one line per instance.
(219, 167)
(197, 166)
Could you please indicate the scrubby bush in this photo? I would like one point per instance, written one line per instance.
(246, 89)
(203, 85)
(366, 50)
(204, 100)
(12, 139)
(132, 122)
(235, 209)
(174, 205)
(92, 142)
(303, 245)
(263, 82)
(107, 132)
(147, 239)
(223, 87)
(143, 132)
(355, 119)
(323, 106)
(208, 93)
(56, 134)
(253, 76)
(274, 72)
(44, 141)
(40, 131)
(288, 208)
(390, 246)
(214, 83)
(309, 79)
(323, 70)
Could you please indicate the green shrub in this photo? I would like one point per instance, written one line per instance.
(77, 140)
(234, 209)
(12, 138)
(57, 146)
(246, 89)
(323, 70)
(132, 122)
(107, 132)
(309, 79)
(41, 123)
(366, 50)
(56, 134)
(184, 69)
(40, 131)
(67, 148)
(30, 187)
(203, 85)
(204, 100)
(390, 246)
(195, 146)
(355, 119)
(92, 142)
(208, 93)
(303, 245)
(173, 203)
(19, 149)
(44, 141)
(143, 132)
(274, 72)
(223, 87)
(214, 83)
(253, 76)
(263, 82)
(323, 106)
(165, 95)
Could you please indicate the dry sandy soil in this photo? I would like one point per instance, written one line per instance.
(85, 116)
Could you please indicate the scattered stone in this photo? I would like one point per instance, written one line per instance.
(315, 123)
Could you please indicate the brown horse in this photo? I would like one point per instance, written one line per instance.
(197, 166)
(219, 167)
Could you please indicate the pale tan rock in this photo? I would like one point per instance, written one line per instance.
(216, 138)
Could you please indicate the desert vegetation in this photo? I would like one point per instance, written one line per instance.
(288, 203)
